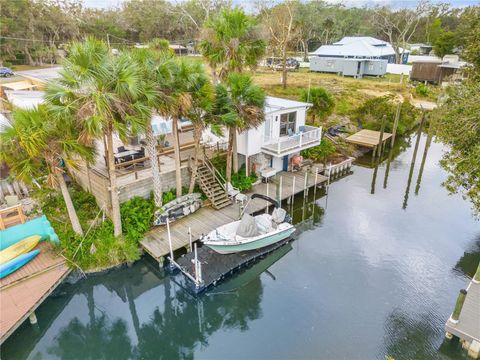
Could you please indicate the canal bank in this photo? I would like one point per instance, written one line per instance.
(371, 274)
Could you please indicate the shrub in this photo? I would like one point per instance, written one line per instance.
(320, 152)
(322, 100)
(137, 217)
(369, 114)
(239, 180)
(421, 89)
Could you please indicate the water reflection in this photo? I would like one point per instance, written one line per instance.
(100, 338)
(414, 337)
(468, 263)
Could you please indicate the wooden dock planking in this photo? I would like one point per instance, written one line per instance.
(24, 290)
(207, 219)
(368, 138)
(468, 326)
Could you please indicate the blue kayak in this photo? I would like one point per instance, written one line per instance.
(17, 263)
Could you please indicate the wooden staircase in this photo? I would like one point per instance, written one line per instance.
(211, 183)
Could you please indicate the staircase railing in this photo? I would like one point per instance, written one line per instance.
(216, 174)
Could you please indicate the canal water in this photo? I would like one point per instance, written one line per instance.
(374, 273)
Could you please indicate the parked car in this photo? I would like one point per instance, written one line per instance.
(276, 63)
(6, 72)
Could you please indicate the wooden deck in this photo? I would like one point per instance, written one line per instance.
(24, 290)
(368, 138)
(155, 242)
(468, 326)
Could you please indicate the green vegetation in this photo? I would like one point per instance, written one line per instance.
(137, 217)
(320, 152)
(457, 120)
(322, 100)
(239, 179)
(421, 89)
(369, 115)
(98, 248)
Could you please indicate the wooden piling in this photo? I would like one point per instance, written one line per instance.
(395, 124)
(380, 142)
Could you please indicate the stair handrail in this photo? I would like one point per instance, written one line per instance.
(216, 174)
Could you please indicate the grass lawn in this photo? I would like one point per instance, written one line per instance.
(349, 93)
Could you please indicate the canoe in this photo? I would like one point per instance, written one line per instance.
(178, 208)
(15, 264)
(19, 248)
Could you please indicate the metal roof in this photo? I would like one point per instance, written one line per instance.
(273, 104)
(42, 75)
(25, 99)
(357, 46)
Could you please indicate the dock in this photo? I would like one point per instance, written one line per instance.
(368, 138)
(216, 267)
(467, 327)
(282, 186)
(24, 290)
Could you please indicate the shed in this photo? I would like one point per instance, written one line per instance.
(433, 71)
(349, 67)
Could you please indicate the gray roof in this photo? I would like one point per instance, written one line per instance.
(41, 74)
(356, 46)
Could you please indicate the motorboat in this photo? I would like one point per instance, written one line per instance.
(251, 232)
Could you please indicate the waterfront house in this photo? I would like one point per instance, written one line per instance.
(270, 147)
(360, 47)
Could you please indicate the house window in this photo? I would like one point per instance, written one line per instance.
(287, 121)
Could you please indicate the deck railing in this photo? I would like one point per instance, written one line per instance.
(284, 144)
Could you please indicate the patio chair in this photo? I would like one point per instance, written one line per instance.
(301, 129)
(232, 191)
(121, 149)
(290, 132)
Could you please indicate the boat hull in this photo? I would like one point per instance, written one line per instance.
(257, 244)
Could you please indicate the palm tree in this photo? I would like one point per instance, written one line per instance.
(34, 144)
(239, 104)
(188, 78)
(230, 42)
(101, 92)
(155, 68)
(200, 115)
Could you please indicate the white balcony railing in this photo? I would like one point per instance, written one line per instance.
(309, 137)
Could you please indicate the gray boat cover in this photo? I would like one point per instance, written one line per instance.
(278, 215)
(247, 227)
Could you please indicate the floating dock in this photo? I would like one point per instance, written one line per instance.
(24, 290)
(213, 267)
(467, 327)
(283, 186)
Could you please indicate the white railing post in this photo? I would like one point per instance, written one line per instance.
(301, 137)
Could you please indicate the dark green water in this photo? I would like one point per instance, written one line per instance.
(375, 272)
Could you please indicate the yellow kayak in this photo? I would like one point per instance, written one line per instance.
(19, 248)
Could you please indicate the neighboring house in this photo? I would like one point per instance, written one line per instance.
(349, 67)
(421, 49)
(282, 135)
(360, 47)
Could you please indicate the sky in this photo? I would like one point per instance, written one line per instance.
(393, 3)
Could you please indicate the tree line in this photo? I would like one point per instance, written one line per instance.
(33, 31)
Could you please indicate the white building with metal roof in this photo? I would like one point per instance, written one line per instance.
(360, 47)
